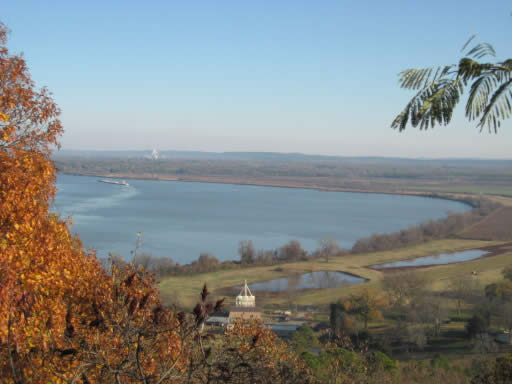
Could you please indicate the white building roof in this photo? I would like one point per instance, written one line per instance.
(245, 298)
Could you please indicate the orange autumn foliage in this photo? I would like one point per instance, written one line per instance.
(250, 353)
(65, 319)
(43, 269)
(51, 290)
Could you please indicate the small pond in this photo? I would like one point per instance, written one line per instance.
(443, 258)
(319, 279)
(284, 327)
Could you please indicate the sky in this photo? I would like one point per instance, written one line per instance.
(317, 77)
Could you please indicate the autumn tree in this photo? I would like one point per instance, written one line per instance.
(247, 353)
(44, 273)
(292, 251)
(341, 322)
(64, 318)
(366, 306)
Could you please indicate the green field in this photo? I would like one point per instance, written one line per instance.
(184, 290)
(470, 189)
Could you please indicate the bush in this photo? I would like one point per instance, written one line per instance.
(477, 325)
(497, 371)
(381, 360)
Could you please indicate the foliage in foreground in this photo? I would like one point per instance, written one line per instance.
(439, 90)
(63, 318)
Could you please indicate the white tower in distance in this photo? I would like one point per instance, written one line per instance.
(245, 298)
(155, 155)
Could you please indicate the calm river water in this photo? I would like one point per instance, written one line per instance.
(181, 219)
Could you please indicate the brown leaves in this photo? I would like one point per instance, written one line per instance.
(129, 280)
(219, 305)
(69, 331)
(250, 353)
(28, 116)
(204, 293)
(204, 308)
(200, 313)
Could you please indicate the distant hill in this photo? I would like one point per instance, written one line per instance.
(285, 157)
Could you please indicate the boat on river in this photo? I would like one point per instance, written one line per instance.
(122, 182)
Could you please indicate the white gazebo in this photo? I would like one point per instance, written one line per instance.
(245, 298)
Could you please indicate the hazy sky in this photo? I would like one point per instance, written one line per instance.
(288, 76)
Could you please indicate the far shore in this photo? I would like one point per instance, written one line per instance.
(459, 197)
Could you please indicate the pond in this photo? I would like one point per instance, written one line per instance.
(312, 280)
(443, 258)
(284, 327)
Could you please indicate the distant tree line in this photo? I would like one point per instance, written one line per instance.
(475, 172)
(206, 262)
(431, 230)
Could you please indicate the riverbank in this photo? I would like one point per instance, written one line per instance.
(459, 197)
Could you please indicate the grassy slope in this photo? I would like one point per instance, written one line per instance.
(497, 226)
(187, 288)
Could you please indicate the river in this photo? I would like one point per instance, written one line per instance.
(182, 219)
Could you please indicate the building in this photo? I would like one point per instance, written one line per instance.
(245, 298)
(245, 309)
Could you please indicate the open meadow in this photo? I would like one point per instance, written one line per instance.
(184, 290)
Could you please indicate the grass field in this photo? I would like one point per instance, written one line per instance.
(497, 226)
(184, 290)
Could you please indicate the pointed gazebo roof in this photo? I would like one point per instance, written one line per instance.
(245, 298)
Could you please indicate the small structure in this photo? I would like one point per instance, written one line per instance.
(245, 307)
(217, 319)
(245, 298)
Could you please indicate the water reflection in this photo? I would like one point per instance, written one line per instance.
(443, 258)
(312, 280)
